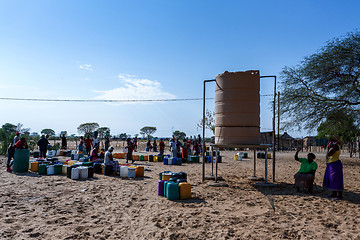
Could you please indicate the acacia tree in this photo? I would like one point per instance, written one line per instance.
(48, 131)
(147, 131)
(87, 128)
(179, 135)
(324, 83)
(103, 131)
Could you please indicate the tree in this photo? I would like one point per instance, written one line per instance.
(87, 128)
(103, 131)
(324, 82)
(123, 136)
(48, 131)
(147, 131)
(341, 123)
(21, 130)
(209, 121)
(9, 128)
(179, 135)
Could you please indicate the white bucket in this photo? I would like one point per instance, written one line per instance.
(124, 171)
(50, 170)
(51, 153)
(75, 173)
(64, 169)
(83, 172)
(76, 156)
(131, 172)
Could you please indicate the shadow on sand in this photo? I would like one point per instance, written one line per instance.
(283, 188)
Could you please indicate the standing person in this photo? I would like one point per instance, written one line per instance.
(305, 176)
(63, 141)
(148, 146)
(43, 144)
(200, 144)
(11, 152)
(130, 149)
(333, 178)
(178, 148)
(154, 146)
(161, 147)
(135, 143)
(185, 150)
(81, 144)
(88, 143)
(196, 148)
(173, 147)
(107, 142)
(16, 138)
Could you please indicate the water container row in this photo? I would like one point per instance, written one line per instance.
(132, 171)
(172, 161)
(240, 155)
(262, 155)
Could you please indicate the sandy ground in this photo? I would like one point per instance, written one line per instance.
(108, 207)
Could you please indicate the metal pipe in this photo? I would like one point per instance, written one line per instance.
(274, 115)
(203, 126)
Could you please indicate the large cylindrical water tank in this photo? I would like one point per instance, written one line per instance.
(237, 108)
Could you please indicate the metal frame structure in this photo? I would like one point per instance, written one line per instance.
(254, 147)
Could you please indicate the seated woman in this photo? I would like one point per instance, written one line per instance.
(94, 157)
(304, 178)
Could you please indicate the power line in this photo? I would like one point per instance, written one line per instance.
(109, 101)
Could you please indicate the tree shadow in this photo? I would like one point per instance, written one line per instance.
(283, 188)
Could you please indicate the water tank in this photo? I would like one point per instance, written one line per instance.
(237, 108)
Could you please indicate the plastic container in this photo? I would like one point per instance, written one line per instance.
(108, 170)
(179, 161)
(155, 158)
(165, 183)
(236, 157)
(58, 169)
(184, 190)
(68, 170)
(90, 172)
(51, 153)
(136, 157)
(124, 171)
(151, 158)
(75, 173)
(174, 161)
(169, 161)
(64, 169)
(139, 172)
(83, 172)
(161, 187)
(97, 168)
(36, 154)
(141, 158)
(160, 158)
(34, 166)
(42, 169)
(166, 176)
(183, 175)
(172, 191)
(160, 176)
(50, 170)
(131, 172)
(245, 155)
(21, 160)
(166, 161)
(146, 158)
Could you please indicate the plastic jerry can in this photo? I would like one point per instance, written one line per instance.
(155, 158)
(21, 160)
(161, 187)
(64, 169)
(169, 161)
(42, 169)
(166, 176)
(146, 158)
(245, 155)
(68, 170)
(183, 175)
(50, 170)
(58, 169)
(179, 161)
(160, 176)
(124, 171)
(139, 172)
(172, 190)
(151, 158)
(174, 161)
(131, 172)
(83, 172)
(165, 183)
(97, 168)
(34, 166)
(184, 190)
(236, 157)
(160, 158)
(108, 170)
(166, 161)
(141, 157)
(36, 154)
(75, 173)
(90, 172)
(180, 180)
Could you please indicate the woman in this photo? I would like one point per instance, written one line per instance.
(333, 178)
(304, 178)
(94, 157)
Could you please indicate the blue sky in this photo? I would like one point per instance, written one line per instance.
(149, 50)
